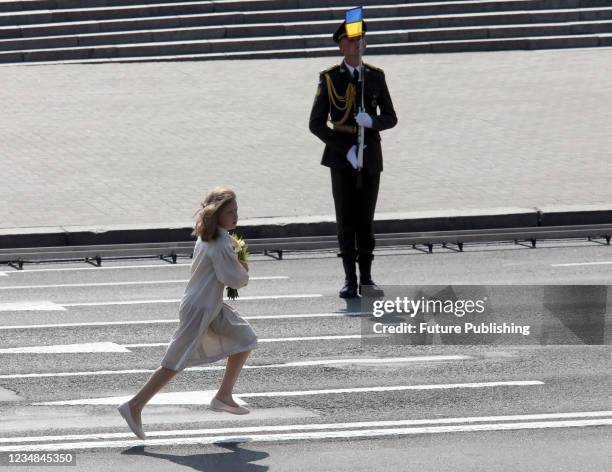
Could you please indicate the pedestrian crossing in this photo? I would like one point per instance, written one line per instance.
(306, 432)
(310, 378)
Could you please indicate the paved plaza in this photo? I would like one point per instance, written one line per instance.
(134, 144)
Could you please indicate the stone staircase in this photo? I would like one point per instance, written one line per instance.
(91, 31)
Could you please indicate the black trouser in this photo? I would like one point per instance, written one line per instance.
(355, 211)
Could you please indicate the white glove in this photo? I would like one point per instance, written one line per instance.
(363, 119)
(351, 156)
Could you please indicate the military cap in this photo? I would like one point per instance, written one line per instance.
(341, 31)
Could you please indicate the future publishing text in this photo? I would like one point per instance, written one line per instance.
(439, 312)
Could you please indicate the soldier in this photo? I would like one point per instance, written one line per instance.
(336, 101)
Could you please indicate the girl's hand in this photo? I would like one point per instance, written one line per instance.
(245, 265)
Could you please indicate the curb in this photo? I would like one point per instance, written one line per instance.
(292, 227)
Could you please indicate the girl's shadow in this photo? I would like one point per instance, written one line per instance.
(239, 459)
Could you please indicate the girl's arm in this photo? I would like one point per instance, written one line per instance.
(228, 269)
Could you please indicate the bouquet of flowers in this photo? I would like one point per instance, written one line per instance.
(241, 248)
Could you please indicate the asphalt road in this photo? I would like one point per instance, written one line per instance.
(77, 340)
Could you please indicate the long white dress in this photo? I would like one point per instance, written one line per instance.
(209, 329)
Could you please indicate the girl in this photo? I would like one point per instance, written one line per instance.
(208, 329)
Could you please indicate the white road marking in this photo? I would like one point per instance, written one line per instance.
(137, 322)
(200, 397)
(43, 305)
(71, 269)
(149, 302)
(574, 264)
(299, 393)
(113, 284)
(318, 362)
(360, 360)
(7, 395)
(313, 426)
(94, 323)
(76, 374)
(266, 340)
(124, 302)
(66, 348)
(301, 436)
(93, 284)
(100, 347)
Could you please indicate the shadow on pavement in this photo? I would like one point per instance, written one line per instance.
(238, 459)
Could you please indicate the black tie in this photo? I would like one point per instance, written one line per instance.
(355, 75)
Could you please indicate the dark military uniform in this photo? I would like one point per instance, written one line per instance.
(336, 101)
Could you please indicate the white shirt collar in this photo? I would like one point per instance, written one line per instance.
(350, 68)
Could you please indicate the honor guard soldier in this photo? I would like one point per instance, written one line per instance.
(354, 189)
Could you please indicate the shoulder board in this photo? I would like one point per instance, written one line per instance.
(374, 68)
(329, 69)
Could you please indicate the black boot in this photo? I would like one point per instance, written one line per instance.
(350, 283)
(365, 277)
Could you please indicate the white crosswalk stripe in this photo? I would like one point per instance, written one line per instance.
(284, 365)
(177, 300)
(265, 340)
(203, 397)
(30, 306)
(319, 426)
(153, 322)
(96, 269)
(296, 434)
(66, 348)
(127, 283)
(578, 264)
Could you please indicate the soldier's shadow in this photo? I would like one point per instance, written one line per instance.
(353, 305)
(238, 459)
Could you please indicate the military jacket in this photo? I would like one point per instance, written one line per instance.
(332, 118)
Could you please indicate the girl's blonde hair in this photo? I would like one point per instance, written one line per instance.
(206, 220)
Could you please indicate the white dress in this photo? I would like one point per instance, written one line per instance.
(209, 329)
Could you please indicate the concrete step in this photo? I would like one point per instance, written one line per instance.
(491, 16)
(216, 6)
(277, 15)
(403, 29)
(111, 29)
(311, 42)
(526, 43)
(238, 5)
(32, 5)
